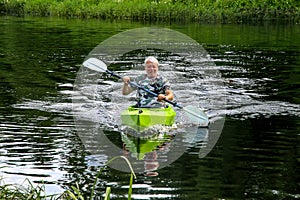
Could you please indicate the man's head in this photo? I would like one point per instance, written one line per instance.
(151, 66)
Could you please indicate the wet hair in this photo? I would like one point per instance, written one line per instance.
(151, 59)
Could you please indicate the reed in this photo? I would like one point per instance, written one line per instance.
(158, 10)
(24, 191)
(30, 192)
(76, 194)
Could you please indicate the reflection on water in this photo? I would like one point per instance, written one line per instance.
(257, 155)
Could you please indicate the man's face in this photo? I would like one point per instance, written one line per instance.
(151, 69)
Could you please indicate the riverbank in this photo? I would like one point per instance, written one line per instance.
(234, 11)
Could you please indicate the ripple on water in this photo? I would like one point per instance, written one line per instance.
(33, 144)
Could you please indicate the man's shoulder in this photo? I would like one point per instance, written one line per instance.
(140, 77)
(162, 78)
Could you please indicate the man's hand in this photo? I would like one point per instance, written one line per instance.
(126, 80)
(126, 87)
(168, 96)
(161, 97)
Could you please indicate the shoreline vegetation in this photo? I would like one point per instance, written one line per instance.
(224, 11)
(30, 191)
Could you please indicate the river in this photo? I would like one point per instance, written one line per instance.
(253, 85)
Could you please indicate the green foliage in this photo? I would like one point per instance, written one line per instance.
(158, 10)
(14, 7)
(30, 192)
(25, 191)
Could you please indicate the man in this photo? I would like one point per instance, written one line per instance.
(151, 81)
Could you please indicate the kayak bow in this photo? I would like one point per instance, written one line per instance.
(142, 118)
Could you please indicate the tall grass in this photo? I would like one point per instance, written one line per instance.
(24, 191)
(158, 10)
(30, 192)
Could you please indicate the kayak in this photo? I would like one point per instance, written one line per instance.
(142, 118)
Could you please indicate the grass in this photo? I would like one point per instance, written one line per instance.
(159, 10)
(30, 192)
(25, 191)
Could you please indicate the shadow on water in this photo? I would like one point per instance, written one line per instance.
(256, 156)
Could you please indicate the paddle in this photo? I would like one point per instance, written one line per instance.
(194, 113)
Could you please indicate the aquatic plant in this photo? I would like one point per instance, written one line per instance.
(29, 191)
(77, 195)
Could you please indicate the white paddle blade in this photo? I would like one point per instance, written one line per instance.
(95, 64)
(196, 115)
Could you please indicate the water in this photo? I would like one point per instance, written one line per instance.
(256, 156)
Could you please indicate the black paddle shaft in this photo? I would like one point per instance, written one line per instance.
(142, 88)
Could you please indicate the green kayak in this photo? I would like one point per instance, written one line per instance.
(142, 118)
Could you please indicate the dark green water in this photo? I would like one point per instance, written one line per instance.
(256, 157)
